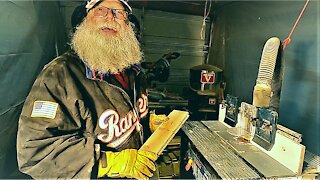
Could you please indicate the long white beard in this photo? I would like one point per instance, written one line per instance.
(106, 54)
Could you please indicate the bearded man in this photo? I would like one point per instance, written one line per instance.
(82, 116)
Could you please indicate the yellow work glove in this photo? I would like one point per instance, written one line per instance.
(156, 120)
(130, 163)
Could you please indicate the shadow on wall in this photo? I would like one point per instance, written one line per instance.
(300, 105)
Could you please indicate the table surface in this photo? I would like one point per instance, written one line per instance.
(228, 156)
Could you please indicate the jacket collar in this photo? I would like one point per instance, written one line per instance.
(92, 74)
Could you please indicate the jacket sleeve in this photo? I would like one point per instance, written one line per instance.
(55, 134)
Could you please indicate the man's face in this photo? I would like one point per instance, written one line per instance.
(106, 43)
(101, 15)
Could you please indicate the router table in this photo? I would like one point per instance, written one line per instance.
(214, 153)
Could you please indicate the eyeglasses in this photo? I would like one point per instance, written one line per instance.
(104, 11)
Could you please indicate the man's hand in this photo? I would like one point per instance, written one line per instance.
(129, 163)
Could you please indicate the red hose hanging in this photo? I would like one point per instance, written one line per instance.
(288, 39)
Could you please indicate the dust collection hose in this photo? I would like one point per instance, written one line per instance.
(263, 89)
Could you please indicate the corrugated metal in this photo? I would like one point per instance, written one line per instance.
(165, 32)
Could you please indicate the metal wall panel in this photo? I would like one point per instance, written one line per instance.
(164, 32)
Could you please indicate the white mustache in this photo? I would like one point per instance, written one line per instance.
(112, 25)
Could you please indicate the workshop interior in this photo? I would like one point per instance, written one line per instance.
(247, 73)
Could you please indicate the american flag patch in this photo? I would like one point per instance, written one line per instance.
(44, 109)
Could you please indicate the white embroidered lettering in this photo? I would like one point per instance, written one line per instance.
(123, 123)
(129, 123)
(117, 127)
(143, 103)
(143, 106)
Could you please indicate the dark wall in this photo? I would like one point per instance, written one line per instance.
(28, 35)
(240, 31)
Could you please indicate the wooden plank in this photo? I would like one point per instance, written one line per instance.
(286, 152)
(165, 132)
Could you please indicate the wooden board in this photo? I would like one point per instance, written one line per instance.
(287, 152)
(161, 137)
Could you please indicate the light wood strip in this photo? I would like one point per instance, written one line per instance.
(165, 132)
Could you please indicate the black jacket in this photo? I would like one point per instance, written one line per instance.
(70, 115)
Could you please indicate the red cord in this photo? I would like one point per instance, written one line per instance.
(288, 39)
